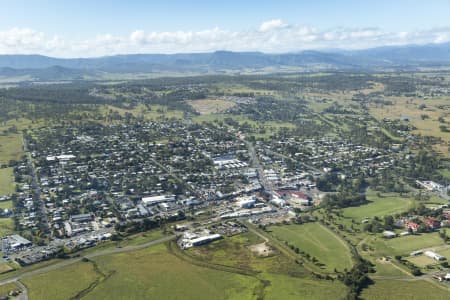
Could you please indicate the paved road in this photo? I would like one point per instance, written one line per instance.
(255, 161)
(36, 188)
(71, 261)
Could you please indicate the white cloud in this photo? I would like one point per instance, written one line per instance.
(272, 25)
(271, 36)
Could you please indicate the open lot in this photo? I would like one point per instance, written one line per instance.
(7, 185)
(10, 148)
(62, 284)
(316, 241)
(394, 289)
(379, 206)
(6, 226)
(405, 245)
(210, 106)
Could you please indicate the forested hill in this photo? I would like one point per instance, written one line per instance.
(48, 68)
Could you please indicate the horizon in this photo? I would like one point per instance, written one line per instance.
(108, 28)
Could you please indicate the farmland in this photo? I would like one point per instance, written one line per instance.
(315, 240)
(6, 181)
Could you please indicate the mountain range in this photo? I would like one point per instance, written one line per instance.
(41, 67)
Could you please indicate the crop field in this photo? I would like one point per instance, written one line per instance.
(6, 182)
(379, 206)
(407, 244)
(210, 106)
(393, 289)
(316, 241)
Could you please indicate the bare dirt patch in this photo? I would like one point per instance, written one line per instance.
(210, 106)
(262, 250)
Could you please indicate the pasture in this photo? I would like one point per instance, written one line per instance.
(7, 185)
(379, 206)
(407, 244)
(10, 148)
(395, 289)
(316, 241)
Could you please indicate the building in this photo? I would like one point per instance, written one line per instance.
(81, 218)
(158, 199)
(434, 255)
(413, 226)
(389, 234)
(432, 223)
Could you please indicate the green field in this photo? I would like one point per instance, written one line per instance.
(379, 206)
(284, 287)
(6, 288)
(6, 226)
(316, 241)
(10, 148)
(393, 289)
(155, 273)
(64, 283)
(405, 245)
(7, 185)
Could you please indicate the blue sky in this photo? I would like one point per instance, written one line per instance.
(99, 27)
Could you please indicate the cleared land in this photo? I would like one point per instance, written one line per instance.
(210, 106)
(379, 206)
(10, 148)
(7, 185)
(316, 241)
(155, 274)
(62, 284)
(6, 226)
(405, 245)
(394, 289)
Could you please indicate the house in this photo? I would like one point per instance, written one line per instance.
(412, 225)
(432, 223)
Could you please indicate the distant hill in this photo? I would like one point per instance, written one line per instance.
(49, 68)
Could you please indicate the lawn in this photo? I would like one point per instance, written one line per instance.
(405, 245)
(7, 185)
(61, 284)
(379, 206)
(316, 241)
(394, 289)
